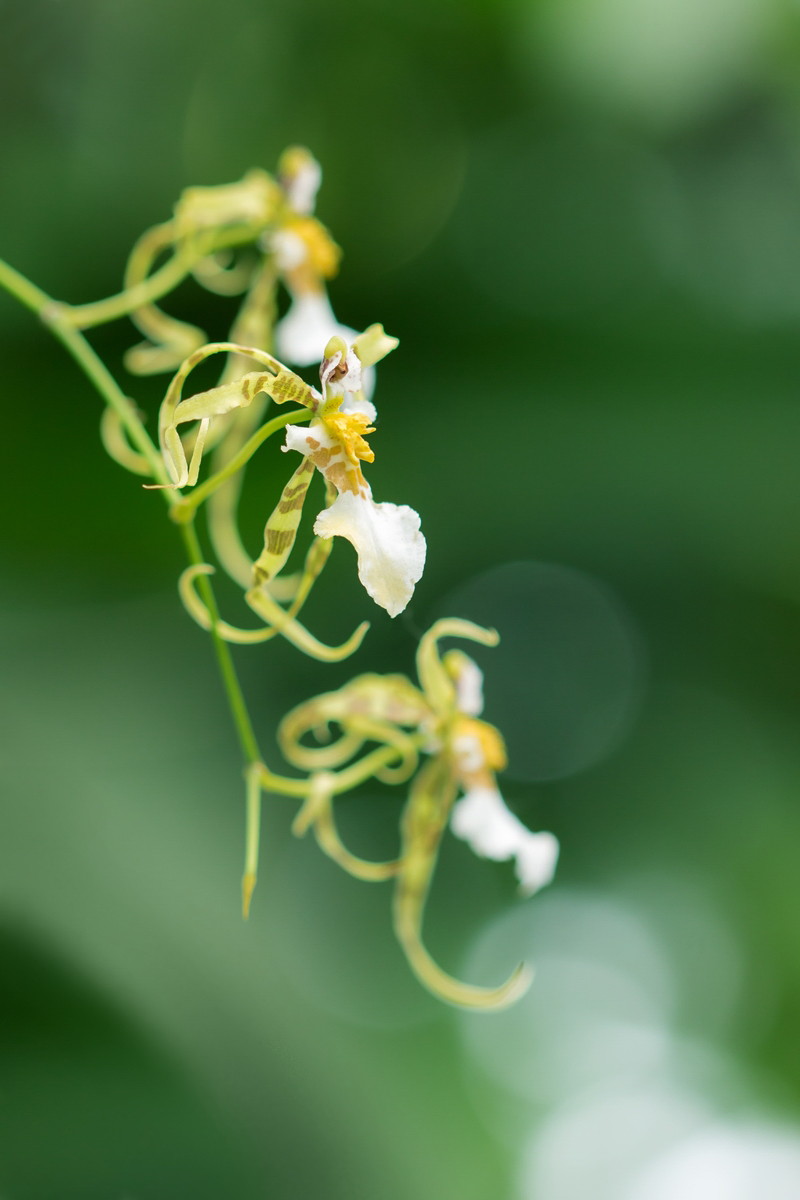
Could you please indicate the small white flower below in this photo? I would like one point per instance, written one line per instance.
(482, 819)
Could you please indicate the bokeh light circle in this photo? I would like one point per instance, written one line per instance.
(565, 682)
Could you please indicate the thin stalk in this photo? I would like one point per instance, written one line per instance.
(25, 291)
(52, 313)
(162, 281)
(236, 701)
(109, 389)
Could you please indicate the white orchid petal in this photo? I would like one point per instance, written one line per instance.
(306, 439)
(469, 687)
(482, 819)
(302, 335)
(388, 542)
(302, 188)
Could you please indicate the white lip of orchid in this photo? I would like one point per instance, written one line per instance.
(387, 538)
(482, 820)
(303, 333)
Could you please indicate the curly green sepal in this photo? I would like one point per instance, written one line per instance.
(270, 611)
(117, 446)
(279, 621)
(170, 340)
(277, 381)
(424, 820)
(389, 735)
(317, 811)
(222, 274)
(434, 678)
(187, 252)
(386, 701)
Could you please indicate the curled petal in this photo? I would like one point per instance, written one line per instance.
(282, 622)
(482, 819)
(170, 340)
(317, 811)
(373, 344)
(433, 676)
(370, 707)
(388, 542)
(424, 819)
(249, 201)
(117, 446)
(389, 735)
(199, 612)
(221, 274)
(279, 621)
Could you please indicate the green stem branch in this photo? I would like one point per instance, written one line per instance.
(187, 254)
(53, 315)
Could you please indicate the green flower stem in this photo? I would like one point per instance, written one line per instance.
(109, 389)
(184, 509)
(52, 313)
(25, 291)
(162, 281)
(236, 701)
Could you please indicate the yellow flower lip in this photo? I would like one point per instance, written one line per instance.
(349, 430)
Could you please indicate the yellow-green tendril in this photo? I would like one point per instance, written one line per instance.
(317, 811)
(279, 621)
(424, 820)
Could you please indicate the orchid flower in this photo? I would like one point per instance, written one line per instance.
(441, 719)
(386, 537)
(390, 547)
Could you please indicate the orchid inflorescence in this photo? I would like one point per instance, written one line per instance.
(251, 238)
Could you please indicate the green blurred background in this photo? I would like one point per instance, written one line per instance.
(582, 219)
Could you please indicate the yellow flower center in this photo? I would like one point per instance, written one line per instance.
(349, 430)
(323, 253)
(490, 739)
